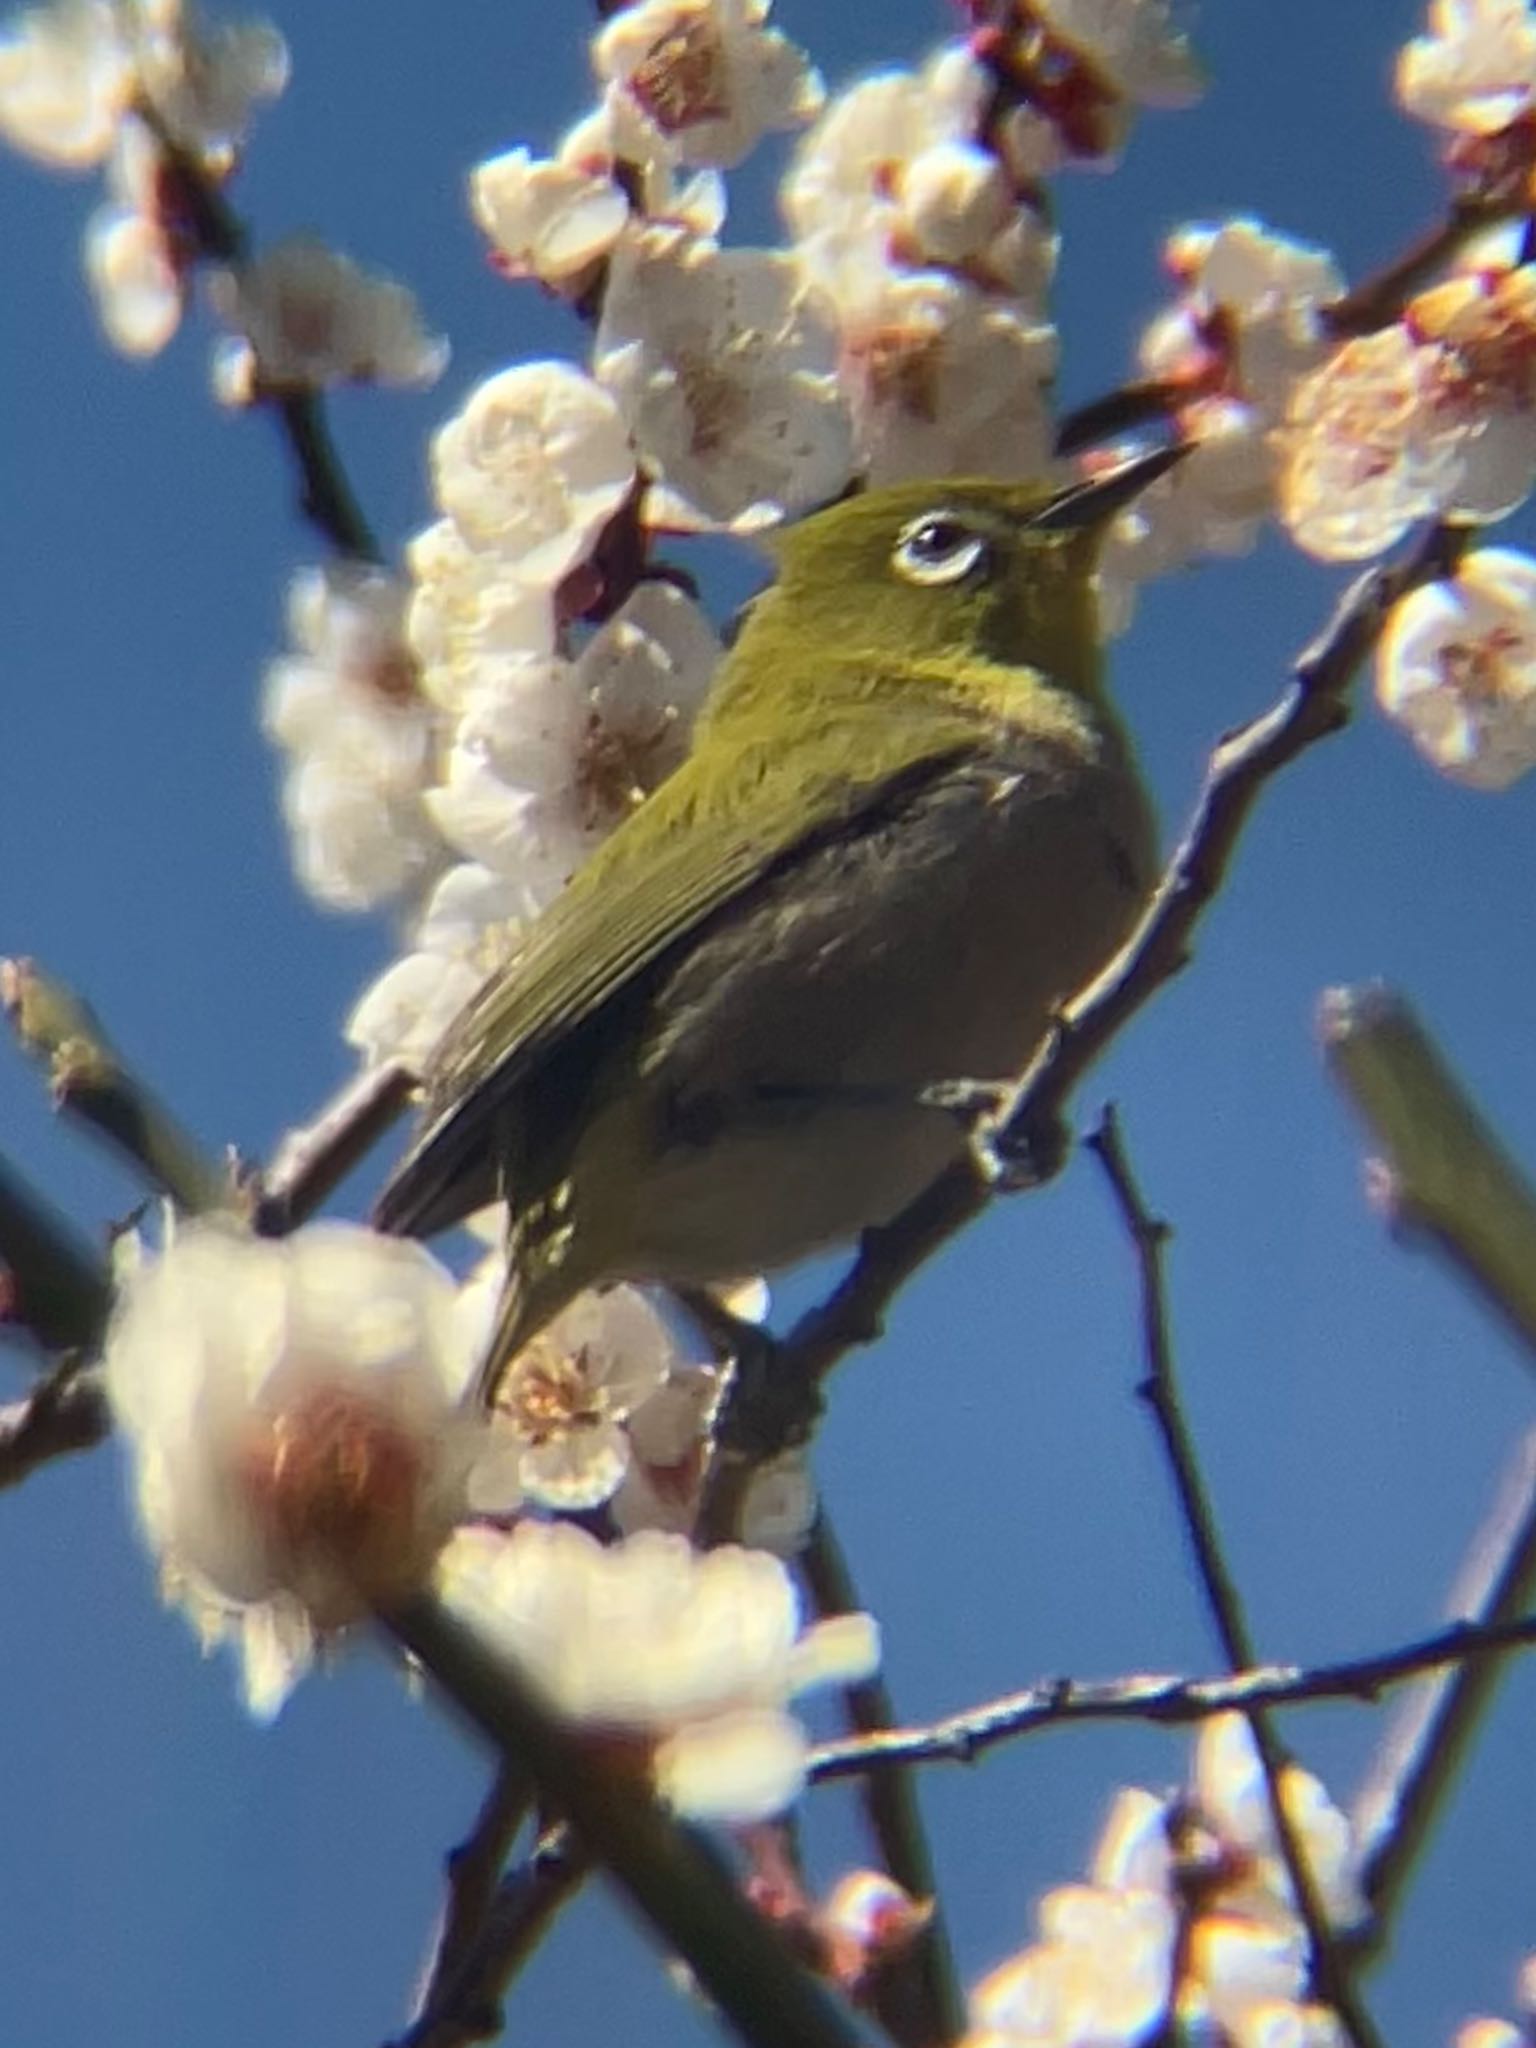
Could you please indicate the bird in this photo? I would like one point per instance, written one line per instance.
(909, 827)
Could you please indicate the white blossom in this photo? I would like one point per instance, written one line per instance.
(549, 756)
(546, 218)
(136, 287)
(360, 743)
(1370, 444)
(291, 1409)
(1132, 44)
(696, 1652)
(534, 465)
(670, 1436)
(568, 1395)
(1248, 322)
(470, 924)
(305, 316)
(943, 381)
(65, 80)
(724, 373)
(1475, 72)
(707, 73)
(1456, 669)
(203, 79)
(467, 610)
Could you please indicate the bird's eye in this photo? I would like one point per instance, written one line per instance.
(938, 548)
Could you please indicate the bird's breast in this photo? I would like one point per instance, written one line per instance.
(776, 1098)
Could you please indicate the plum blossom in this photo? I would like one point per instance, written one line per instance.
(724, 373)
(66, 78)
(292, 1413)
(358, 741)
(549, 756)
(534, 465)
(1456, 669)
(469, 926)
(1187, 1917)
(709, 74)
(694, 1653)
(305, 316)
(1475, 72)
(1132, 45)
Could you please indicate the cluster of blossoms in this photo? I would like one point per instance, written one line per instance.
(303, 1457)
(161, 101)
(1188, 1920)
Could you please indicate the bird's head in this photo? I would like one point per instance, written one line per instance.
(969, 567)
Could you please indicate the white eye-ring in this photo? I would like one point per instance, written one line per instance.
(938, 548)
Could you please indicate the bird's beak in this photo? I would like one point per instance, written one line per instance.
(1096, 500)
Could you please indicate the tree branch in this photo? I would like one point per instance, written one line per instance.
(917, 1996)
(89, 1081)
(525, 1903)
(1168, 1701)
(1444, 1178)
(1427, 1737)
(51, 1285)
(314, 1158)
(1149, 1237)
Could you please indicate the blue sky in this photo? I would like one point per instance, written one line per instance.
(170, 1873)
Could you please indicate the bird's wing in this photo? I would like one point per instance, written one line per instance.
(711, 842)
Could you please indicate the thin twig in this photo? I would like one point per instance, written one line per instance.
(66, 1411)
(1444, 1179)
(1149, 1237)
(52, 1286)
(524, 1906)
(668, 1874)
(1167, 1701)
(1427, 1736)
(89, 1082)
(917, 1996)
(216, 234)
(314, 1158)
(473, 1872)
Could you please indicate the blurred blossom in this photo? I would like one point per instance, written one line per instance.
(469, 926)
(1456, 669)
(779, 1503)
(359, 742)
(1370, 444)
(943, 381)
(1475, 72)
(549, 756)
(1132, 45)
(893, 177)
(467, 612)
(709, 74)
(292, 1412)
(724, 374)
(66, 78)
(203, 79)
(670, 1437)
(535, 464)
(1247, 323)
(695, 1653)
(1486, 317)
(1214, 503)
(1195, 1885)
(133, 279)
(305, 316)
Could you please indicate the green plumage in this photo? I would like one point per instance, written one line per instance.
(908, 827)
